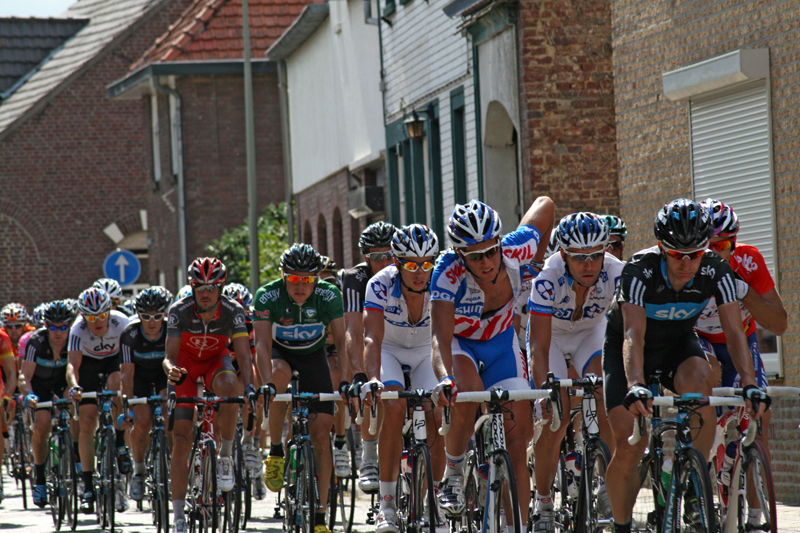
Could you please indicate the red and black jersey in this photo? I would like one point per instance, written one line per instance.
(203, 341)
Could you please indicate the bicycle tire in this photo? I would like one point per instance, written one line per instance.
(423, 499)
(22, 458)
(209, 499)
(564, 505)
(99, 476)
(306, 487)
(473, 506)
(757, 472)
(232, 500)
(595, 462)
(161, 480)
(111, 467)
(648, 513)
(505, 488)
(55, 497)
(693, 491)
(289, 488)
(247, 498)
(69, 478)
(347, 494)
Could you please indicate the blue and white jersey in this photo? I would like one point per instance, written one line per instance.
(552, 295)
(384, 294)
(451, 282)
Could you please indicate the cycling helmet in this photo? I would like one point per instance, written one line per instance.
(153, 299)
(616, 226)
(110, 286)
(377, 235)
(683, 224)
(238, 293)
(37, 317)
(415, 240)
(328, 264)
(185, 291)
(473, 223)
(58, 311)
(301, 258)
(726, 223)
(14, 312)
(128, 307)
(552, 246)
(207, 271)
(72, 302)
(582, 230)
(93, 301)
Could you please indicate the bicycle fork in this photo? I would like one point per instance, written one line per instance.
(497, 440)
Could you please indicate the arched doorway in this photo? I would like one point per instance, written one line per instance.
(322, 235)
(501, 175)
(307, 232)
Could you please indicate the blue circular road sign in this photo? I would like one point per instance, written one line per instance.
(122, 266)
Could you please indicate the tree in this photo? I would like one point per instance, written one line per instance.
(233, 248)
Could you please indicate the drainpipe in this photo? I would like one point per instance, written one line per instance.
(176, 137)
(286, 139)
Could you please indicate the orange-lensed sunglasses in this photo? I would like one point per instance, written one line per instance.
(297, 280)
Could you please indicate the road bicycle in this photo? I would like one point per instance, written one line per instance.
(157, 464)
(20, 459)
(60, 465)
(342, 495)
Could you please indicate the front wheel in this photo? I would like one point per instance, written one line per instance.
(759, 499)
(346, 488)
(503, 500)
(474, 503)
(69, 479)
(159, 496)
(423, 499)
(693, 503)
(594, 509)
(306, 488)
(209, 496)
(55, 492)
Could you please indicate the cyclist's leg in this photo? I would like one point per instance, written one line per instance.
(222, 378)
(140, 432)
(336, 378)
(89, 380)
(390, 442)
(423, 377)
(40, 443)
(693, 373)
(588, 360)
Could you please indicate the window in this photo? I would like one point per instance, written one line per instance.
(459, 146)
(390, 7)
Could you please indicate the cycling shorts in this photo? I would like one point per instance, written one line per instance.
(44, 389)
(582, 347)
(90, 372)
(145, 379)
(730, 378)
(500, 361)
(209, 370)
(315, 375)
(667, 358)
(419, 359)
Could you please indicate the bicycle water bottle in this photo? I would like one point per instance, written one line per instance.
(483, 482)
(574, 462)
(666, 476)
(727, 464)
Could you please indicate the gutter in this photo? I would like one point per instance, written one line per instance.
(286, 140)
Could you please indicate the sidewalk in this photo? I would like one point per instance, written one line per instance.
(789, 518)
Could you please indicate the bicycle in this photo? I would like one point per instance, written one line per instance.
(342, 495)
(491, 489)
(20, 460)
(242, 495)
(62, 475)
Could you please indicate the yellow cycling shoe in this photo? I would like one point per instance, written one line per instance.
(273, 476)
(321, 528)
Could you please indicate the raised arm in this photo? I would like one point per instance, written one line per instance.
(768, 310)
(540, 215)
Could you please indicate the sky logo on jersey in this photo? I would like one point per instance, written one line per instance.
(301, 333)
(675, 311)
(545, 289)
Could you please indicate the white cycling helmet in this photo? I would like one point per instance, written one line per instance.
(111, 287)
(415, 240)
(473, 223)
(582, 231)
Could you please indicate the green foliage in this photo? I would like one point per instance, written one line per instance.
(233, 248)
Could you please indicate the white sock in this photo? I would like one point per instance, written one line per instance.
(177, 510)
(454, 465)
(388, 491)
(370, 451)
(544, 502)
(139, 469)
(226, 447)
(754, 516)
(247, 439)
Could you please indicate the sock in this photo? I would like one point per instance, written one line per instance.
(622, 528)
(247, 439)
(455, 465)
(87, 481)
(320, 517)
(139, 469)
(41, 478)
(370, 451)
(544, 502)
(339, 441)
(120, 438)
(177, 510)
(753, 516)
(276, 450)
(388, 491)
(226, 448)
(257, 440)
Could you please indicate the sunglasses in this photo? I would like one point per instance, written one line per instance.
(721, 246)
(14, 326)
(617, 245)
(147, 317)
(380, 256)
(93, 318)
(54, 329)
(297, 280)
(480, 255)
(692, 255)
(583, 258)
(115, 301)
(413, 266)
(205, 288)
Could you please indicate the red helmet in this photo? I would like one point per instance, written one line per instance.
(207, 271)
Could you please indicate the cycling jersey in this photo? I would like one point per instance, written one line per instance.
(23, 343)
(6, 350)
(139, 350)
(749, 265)
(299, 329)
(354, 287)
(82, 339)
(201, 341)
(48, 365)
(18, 348)
(384, 293)
(450, 283)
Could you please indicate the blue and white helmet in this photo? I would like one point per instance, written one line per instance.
(473, 223)
(93, 301)
(552, 246)
(582, 231)
(239, 293)
(415, 240)
(184, 291)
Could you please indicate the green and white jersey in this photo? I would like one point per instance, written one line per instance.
(300, 329)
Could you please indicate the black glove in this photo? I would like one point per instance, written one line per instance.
(358, 381)
(637, 393)
(344, 387)
(269, 390)
(756, 396)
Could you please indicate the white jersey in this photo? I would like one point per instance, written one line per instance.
(82, 339)
(384, 294)
(552, 295)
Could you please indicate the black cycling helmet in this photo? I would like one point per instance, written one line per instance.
(683, 224)
(377, 235)
(301, 258)
(153, 299)
(58, 311)
(328, 264)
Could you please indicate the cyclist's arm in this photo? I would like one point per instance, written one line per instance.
(443, 320)
(767, 309)
(10, 368)
(539, 327)
(354, 341)
(373, 340)
(337, 329)
(127, 370)
(241, 346)
(635, 324)
(263, 333)
(73, 367)
(731, 322)
(540, 215)
(28, 370)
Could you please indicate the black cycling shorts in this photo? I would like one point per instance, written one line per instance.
(44, 389)
(315, 375)
(90, 371)
(145, 379)
(666, 358)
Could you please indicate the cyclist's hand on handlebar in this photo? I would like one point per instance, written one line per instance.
(758, 401)
(639, 400)
(177, 375)
(269, 391)
(75, 394)
(367, 387)
(31, 400)
(439, 399)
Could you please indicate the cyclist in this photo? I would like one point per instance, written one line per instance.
(94, 342)
(184, 291)
(375, 245)
(114, 292)
(15, 323)
(8, 382)
(619, 231)
(37, 321)
(198, 330)
(662, 292)
(45, 370)
(474, 289)
(143, 348)
(567, 326)
(396, 333)
(296, 310)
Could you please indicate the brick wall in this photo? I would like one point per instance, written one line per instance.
(68, 172)
(654, 144)
(567, 103)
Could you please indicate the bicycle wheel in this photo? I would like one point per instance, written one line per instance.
(232, 500)
(54, 491)
(564, 505)
(474, 504)
(693, 510)
(648, 512)
(21, 456)
(306, 489)
(159, 493)
(346, 487)
(423, 500)
(110, 478)
(591, 517)
(504, 493)
(69, 478)
(757, 473)
(290, 522)
(209, 499)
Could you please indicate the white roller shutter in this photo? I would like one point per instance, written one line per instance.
(732, 162)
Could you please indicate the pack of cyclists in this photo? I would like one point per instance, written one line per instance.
(447, 314)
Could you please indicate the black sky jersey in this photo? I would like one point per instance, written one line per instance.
(40, 352)
(141, 351)
(670, 314)
(354, 287)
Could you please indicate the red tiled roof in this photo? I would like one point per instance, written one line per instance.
(212, 30)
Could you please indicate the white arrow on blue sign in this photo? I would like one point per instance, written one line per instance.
(122, 266)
